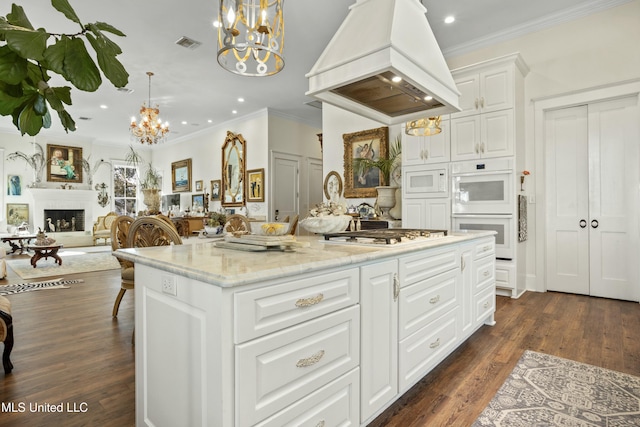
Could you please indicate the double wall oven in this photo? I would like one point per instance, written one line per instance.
(483, 199)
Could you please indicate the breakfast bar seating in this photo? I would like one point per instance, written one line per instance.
(6, 333)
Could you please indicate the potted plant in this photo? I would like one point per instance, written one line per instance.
(214, 222)
(149, 180)
(386, 193)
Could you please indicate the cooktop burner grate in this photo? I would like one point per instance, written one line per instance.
(388, 236)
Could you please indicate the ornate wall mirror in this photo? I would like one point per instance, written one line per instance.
(233, 168)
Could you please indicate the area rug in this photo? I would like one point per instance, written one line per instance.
(36, 286)
(545, 390)
(73, 262)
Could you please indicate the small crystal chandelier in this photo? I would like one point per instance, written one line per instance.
(251, 37)
(151, 129)
(424, 127)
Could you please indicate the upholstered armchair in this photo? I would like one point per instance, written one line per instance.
(102, 227)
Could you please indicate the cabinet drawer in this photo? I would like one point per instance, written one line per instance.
(423, 350)
(485, 272)
(269, 309)
(336, 404)
(423, 302)
(484, 248)
(274, 371)
(505, 276)
(485, 304)
(425, 264)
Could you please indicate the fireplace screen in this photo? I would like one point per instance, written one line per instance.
(63, 220)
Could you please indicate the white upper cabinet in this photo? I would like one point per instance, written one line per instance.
(419, 150)
(483, 135)
(492, 103)
(485, 92)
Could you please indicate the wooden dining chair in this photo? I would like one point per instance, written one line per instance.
(237, 223)
(119, 231)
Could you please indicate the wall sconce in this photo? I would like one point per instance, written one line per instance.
(103, 196)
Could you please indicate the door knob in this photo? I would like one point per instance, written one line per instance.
(583, 223)
(594, 223)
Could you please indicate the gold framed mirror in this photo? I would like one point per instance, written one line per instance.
(234, 156)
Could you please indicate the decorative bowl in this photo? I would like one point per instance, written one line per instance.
(326, 224)
(212, 231)
(269, 228)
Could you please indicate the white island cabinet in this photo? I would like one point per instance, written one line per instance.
(326, 335)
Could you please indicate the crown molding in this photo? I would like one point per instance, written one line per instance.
(570, 14)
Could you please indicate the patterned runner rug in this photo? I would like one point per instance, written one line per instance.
(16, 288)
(545, 390)
(73, 262)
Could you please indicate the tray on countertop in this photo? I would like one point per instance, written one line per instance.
(257, 243)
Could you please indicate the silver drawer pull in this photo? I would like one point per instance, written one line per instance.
(435, 344)
(486, 304)
(307, 302)
(485, 249)
(320, 424)
(309, 361)
(435, 299)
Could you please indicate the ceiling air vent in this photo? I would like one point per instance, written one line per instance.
(188, 43)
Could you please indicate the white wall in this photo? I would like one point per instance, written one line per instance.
(592, 51)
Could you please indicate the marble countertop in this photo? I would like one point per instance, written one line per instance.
(227, 267)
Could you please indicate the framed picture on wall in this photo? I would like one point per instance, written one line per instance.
(181, 176)
(216, 184)
(255, 185)
(199, 185)
(371, 144)
(64, 163)
(17, 213)
(197, 200)
(14, 185)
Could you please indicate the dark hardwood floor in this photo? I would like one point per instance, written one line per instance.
(69, 350)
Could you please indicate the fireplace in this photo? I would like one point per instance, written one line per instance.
(63, 220)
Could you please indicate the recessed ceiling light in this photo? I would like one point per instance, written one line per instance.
(428, 98)
(184, 122)
(396, 79)
(104, 107)
(449, 19)
(234, 112)
(240, 99)
(209, 121)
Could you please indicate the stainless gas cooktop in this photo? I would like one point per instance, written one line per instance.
(387, 236)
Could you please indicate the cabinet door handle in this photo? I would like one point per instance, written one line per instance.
(482, 147)
(426, 154)
(307, 302)
(396, 287)
(476, 103)
(311, 360)
(435, 299)
(435, 344)
(477, 148)
(594, 223)
(482, 102)
(462, 264)
(486, 273)
(486, 304)
(583, 223)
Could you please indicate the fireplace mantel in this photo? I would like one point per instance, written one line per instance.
(56, 198)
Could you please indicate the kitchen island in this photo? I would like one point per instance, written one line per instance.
(330, 334)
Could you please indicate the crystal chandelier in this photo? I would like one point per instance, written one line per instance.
(251, 37)
(151, 130)
(424, 127)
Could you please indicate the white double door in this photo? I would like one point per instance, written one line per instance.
(593, 203)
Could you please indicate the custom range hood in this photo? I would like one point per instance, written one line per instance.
(380, 40)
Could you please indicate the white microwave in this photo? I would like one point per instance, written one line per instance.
(431, 181)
